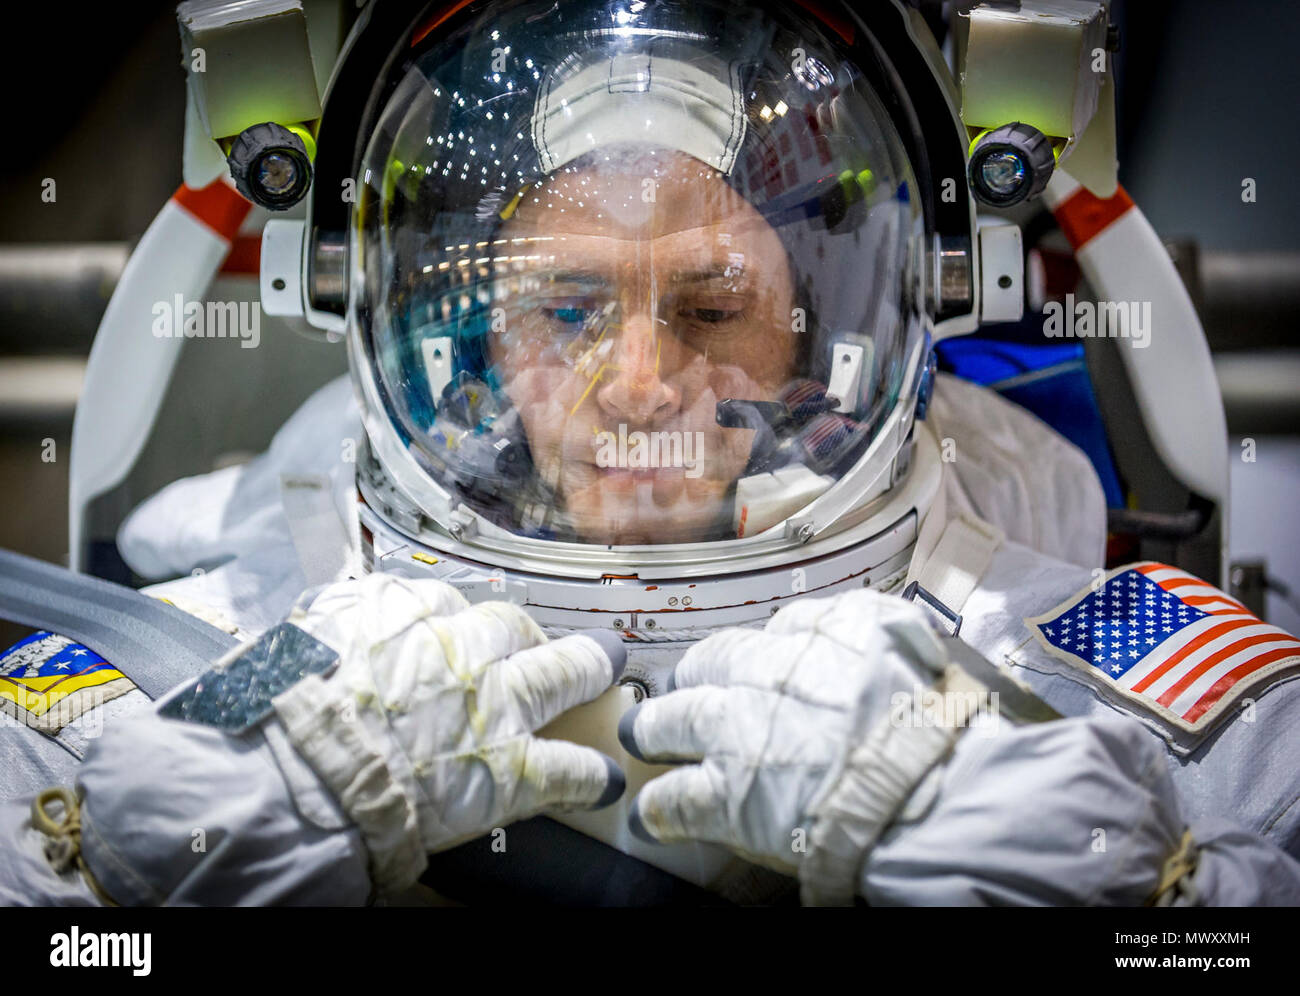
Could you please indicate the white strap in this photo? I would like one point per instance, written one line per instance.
(320, 720)
(876, 782)
(319, 536)
(959, 560)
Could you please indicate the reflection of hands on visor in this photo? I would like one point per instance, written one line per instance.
(802, 427)
(481, 446)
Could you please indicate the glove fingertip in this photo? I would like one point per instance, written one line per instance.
(612, 645)
(614, 787)
(627, 733)
(636, 826)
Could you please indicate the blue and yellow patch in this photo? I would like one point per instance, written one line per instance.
(47, 681)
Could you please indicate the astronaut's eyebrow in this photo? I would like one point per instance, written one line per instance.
(575, 276)
(586, 277)
(714, 271)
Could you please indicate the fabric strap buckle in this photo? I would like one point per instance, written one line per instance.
(914, 589)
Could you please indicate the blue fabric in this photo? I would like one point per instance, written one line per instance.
(1049, 380)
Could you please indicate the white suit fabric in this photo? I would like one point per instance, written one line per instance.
(228, 530)
(226, 539)
(233, 525)
(1006, 466)
(1071, 812)
(1016, 472)
(1246, 769)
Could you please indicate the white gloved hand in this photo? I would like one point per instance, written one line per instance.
(425, 731)
(773, 715)
(810, 760)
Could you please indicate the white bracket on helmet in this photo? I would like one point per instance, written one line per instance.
(437, 352)
(846, 376)
(1001, 272)
(282, 277)
(280, 268)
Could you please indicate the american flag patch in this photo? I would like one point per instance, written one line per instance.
(1167, 641)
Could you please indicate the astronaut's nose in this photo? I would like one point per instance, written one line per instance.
(636, 388)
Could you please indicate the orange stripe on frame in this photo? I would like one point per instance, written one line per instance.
(1084, 216)
(436, 19)
(245, 256)
(218, 206)
(840, 25)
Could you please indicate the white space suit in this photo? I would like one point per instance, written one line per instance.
(640, 329)
(264, 800)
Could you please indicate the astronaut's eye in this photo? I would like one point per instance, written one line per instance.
(568, 316)
(712, 311)
(711, 316)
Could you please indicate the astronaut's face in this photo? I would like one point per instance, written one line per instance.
(653, 292)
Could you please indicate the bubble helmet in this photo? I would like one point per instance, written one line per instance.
(640, 298)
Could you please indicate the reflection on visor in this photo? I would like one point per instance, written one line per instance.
(623, 290)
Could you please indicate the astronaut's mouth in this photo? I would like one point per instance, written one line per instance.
(638, 474)
(648, 456)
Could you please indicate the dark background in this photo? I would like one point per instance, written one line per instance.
(1208, 91)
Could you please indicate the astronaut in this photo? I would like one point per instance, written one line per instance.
(651, 531)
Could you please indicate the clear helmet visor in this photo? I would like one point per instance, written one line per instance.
(635, 273)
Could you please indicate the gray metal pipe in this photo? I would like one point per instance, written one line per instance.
(53, 296)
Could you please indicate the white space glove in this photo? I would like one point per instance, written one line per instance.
(424, 732)
(811, 759)
(774, 716)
